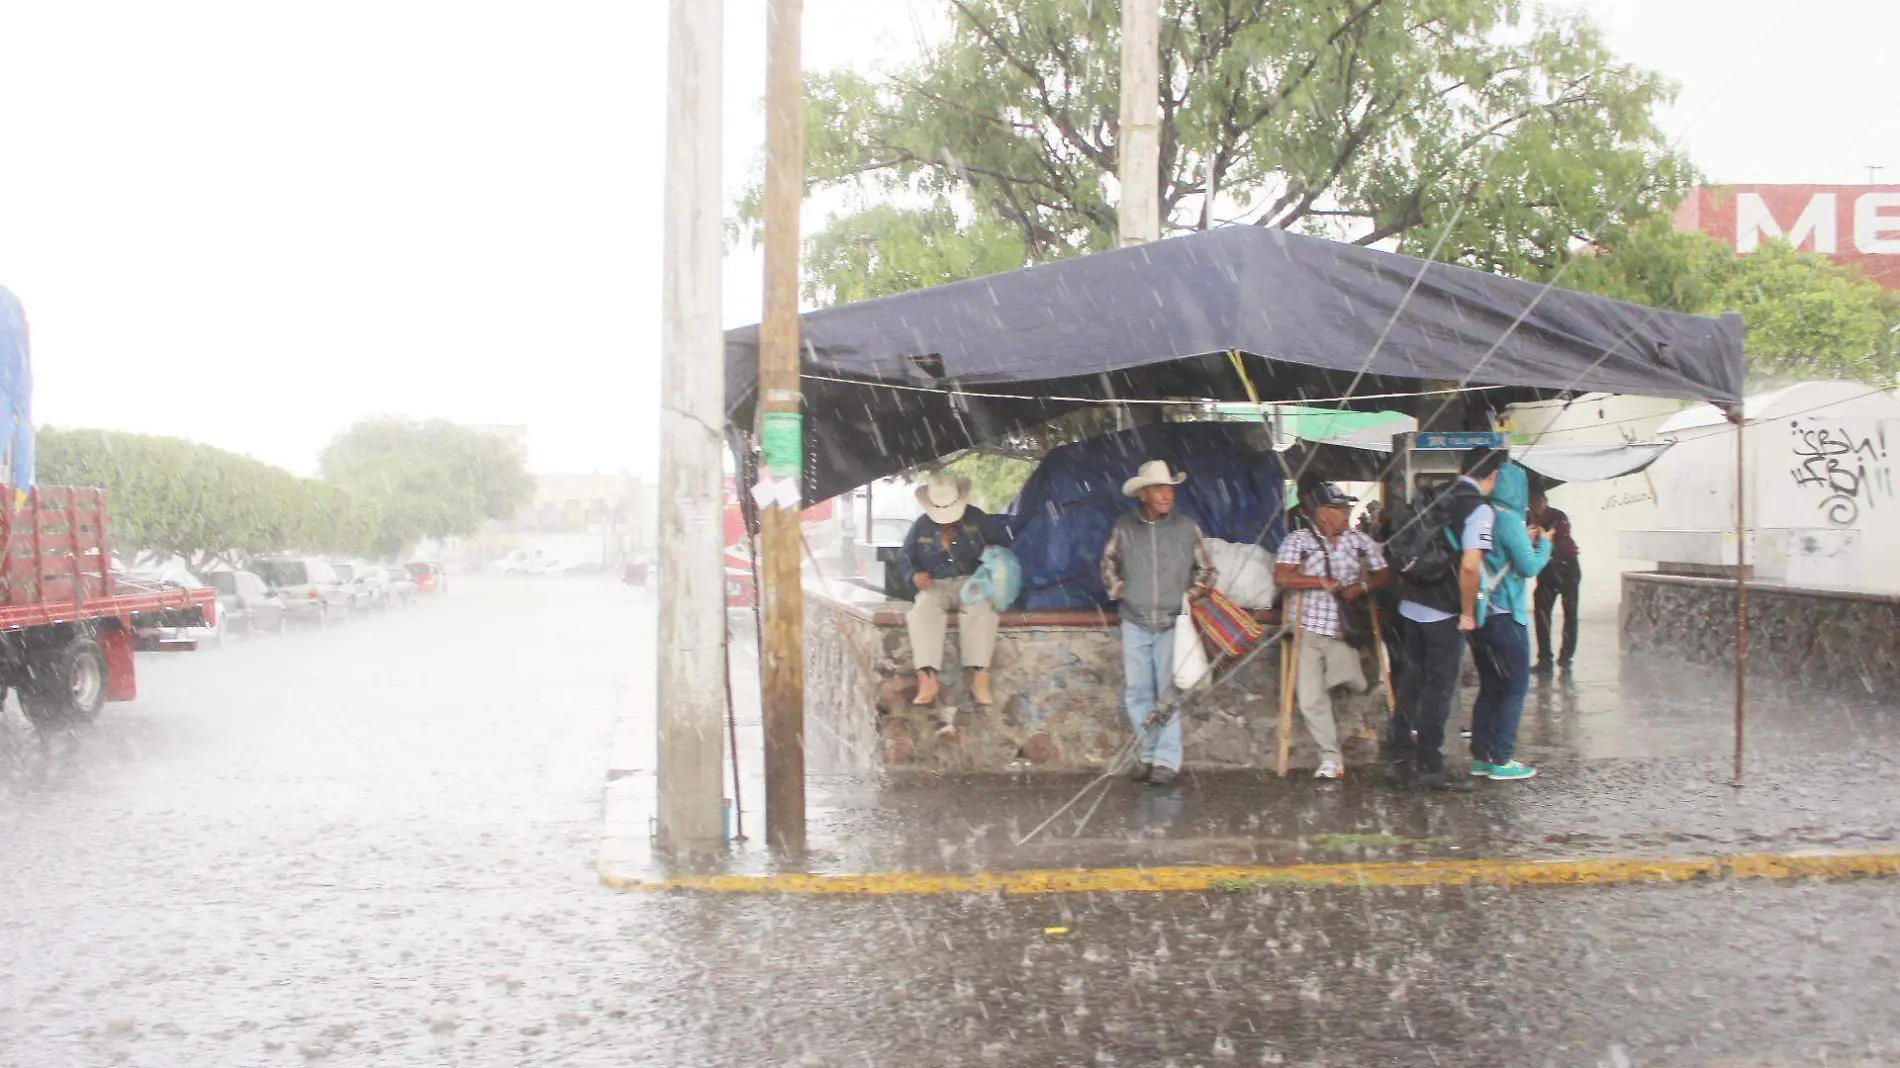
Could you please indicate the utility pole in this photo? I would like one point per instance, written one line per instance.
(692, 414)
(781, 433)
(1138, 152)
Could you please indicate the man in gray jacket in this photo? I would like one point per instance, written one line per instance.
(1155, 557)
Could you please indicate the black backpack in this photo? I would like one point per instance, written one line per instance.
(1423, 550)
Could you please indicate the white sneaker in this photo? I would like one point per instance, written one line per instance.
(1330, 770)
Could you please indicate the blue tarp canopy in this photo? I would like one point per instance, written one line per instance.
(889, 384)
(1061, 519)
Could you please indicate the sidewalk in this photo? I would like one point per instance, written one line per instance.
(1634, 758)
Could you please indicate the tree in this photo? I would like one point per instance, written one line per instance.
(885, 250)
(1806, 317)
(167, 497)
(1377, 120)
(430, 479)
(994, 480)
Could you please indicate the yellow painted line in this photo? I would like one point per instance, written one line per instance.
(1604, 871)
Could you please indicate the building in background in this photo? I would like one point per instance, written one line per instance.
(1853, 225)
(576, 522)
(515, 436)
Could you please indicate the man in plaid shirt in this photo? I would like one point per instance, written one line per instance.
(1328, 565)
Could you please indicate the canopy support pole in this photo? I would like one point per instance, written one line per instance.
(1741, 592)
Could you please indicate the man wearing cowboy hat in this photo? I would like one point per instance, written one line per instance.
(940, 553)
(1155, 557)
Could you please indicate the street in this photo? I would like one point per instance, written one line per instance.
(375, 843)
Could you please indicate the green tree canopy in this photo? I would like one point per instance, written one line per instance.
(170, 497)
(430, 479)
(1373, 119)
(1807, 317)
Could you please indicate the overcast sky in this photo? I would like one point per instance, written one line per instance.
(252, 223)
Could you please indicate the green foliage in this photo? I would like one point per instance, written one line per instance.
(1806, 317)
(171, 497)
(885, 250)
(994, 480)
(1407, 119)
(430, 479)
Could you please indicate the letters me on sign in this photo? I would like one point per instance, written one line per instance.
(1850, 224)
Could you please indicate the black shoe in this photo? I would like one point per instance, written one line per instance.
(1162, 777)
(1443, 781)
(1140, 772)
(1542, 668)
(1564, 664)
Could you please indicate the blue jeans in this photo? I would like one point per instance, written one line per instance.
(1148, 676)
(1502, 650)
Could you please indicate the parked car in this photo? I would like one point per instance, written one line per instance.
(402, 586)
(430, 576)
(310, 587)
(154, 637)
(741, 591)
(876, 555)
(367, 586)
(246, 604)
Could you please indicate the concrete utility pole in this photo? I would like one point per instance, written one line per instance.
(781, 432)
(692, 418)
(1138, 153)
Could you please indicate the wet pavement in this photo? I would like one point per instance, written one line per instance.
(376, 844)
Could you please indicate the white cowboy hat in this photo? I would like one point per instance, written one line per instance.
(944, 497)
(1152, 473)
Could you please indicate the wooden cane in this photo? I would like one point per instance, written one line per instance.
(1290, 678)
(1385, 662)
(1378, 643)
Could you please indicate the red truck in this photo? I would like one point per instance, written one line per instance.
(66, 620)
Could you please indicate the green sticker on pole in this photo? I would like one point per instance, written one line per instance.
(782, 441)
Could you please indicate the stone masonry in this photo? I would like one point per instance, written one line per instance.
(1829, 639)
(1057, 679)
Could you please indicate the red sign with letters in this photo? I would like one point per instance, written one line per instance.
(1857, 225)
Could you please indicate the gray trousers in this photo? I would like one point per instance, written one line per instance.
(929, 619)
(1325, 663)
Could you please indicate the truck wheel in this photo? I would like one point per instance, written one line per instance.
(65, 685)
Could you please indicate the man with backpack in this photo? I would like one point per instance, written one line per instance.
(1437, 556)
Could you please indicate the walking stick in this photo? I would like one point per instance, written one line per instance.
(1289, 682)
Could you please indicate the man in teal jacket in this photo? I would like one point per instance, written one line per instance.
(1501, 644)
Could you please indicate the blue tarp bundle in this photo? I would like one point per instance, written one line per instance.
(1063, 515)
(16, 396)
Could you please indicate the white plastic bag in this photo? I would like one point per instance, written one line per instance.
(1190, 658)
(1243, 572)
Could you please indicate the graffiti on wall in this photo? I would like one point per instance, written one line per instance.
(1844, 471)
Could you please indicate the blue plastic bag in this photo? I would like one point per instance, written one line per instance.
(998, 579)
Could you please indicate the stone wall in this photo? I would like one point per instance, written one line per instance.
(1057, 679)
(1831, 639)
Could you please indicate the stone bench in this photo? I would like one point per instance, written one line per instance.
(1057, 681)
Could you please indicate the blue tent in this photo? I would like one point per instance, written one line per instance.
(1061, 519)
(16, 396)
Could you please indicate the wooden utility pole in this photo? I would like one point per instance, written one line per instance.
(1138, 150)
(781, 432)
(692, 412)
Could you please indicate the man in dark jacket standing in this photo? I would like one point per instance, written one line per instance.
(940, 553)
(1560, 579)
(1433, 622)
(1155, 557)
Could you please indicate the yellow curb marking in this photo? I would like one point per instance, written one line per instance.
(1609, 871)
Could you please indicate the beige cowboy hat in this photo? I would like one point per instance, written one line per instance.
(944, 497)
(1152, 473)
